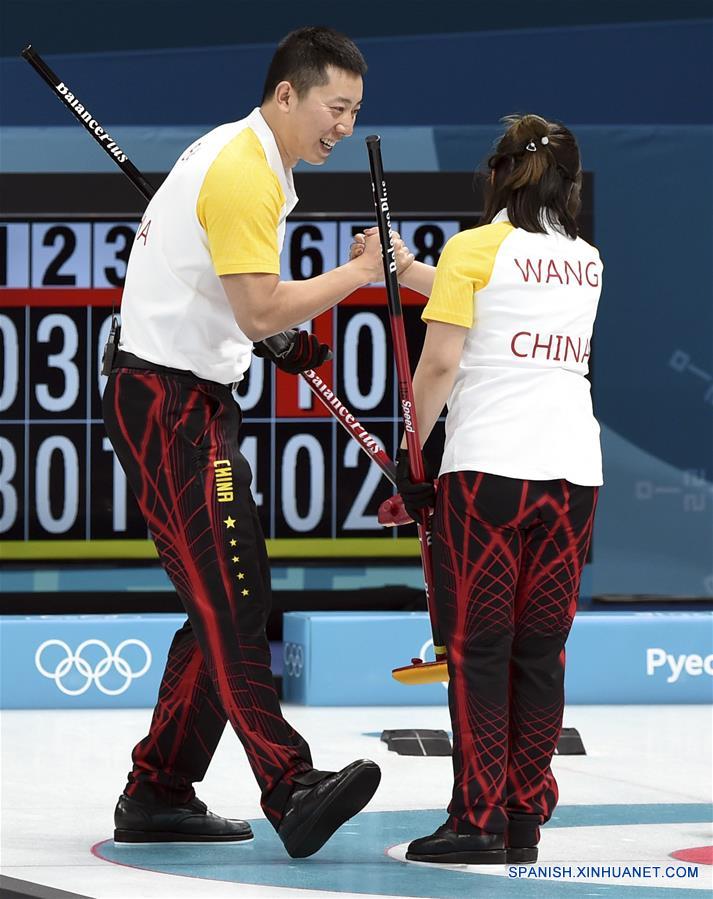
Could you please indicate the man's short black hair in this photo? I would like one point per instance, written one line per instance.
(303, 56)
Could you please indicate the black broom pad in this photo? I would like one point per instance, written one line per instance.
(437, 742)
(417, 742)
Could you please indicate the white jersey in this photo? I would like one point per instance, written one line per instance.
(521, 405)
(221, 210)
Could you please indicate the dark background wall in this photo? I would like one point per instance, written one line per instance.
(163, 63)
(634, 80)
(81, 26)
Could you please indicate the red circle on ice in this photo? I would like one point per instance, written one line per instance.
(701, 855)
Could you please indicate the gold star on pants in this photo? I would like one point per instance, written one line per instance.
(229, 522)
(240, 576)
(233, 542)
(236, 558)
(246, 593)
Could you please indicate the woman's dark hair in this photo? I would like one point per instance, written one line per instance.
(302, 58)
(535, 173)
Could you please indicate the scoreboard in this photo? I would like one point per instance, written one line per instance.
(62, 491)
(59, 478)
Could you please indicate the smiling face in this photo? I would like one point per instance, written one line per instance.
(309, 127)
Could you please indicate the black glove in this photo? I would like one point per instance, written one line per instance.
(415, 496)
(293, 351)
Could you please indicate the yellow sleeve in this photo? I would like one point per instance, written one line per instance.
(239, 206)
(464, 268)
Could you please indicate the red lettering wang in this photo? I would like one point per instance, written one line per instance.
(562, 271)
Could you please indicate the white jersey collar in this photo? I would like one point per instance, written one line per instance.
(502, 216)
(264, 133)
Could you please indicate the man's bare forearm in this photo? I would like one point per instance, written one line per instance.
(294, 302)
(264, 305)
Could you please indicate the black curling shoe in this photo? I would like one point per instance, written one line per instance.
(520, 855)
(315, 810)
(522, 839)
(445, 847)
(143, 822)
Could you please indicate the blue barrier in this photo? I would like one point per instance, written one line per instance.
(335, 658)
(640, 658)
(83, 661)
(86, 661)
(343, 658)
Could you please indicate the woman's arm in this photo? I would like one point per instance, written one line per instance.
(416, 275)
(436, 373)
(419, 277)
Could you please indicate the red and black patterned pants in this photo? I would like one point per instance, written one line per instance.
(508, 558)
(177, 440)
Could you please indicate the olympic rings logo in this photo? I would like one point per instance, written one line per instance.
(293, 655)
(93, 675)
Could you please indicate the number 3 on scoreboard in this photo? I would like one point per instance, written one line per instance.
(65, 254)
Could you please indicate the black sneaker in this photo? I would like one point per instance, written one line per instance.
(446, 847)
(143, 822)
(314, 811)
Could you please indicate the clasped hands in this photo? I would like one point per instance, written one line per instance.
(300, 351)
(361, 244)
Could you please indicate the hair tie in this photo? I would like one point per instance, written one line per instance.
(532, 146)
